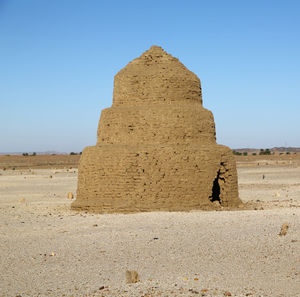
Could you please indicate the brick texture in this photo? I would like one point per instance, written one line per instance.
(156, 147)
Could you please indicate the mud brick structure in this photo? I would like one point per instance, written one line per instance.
(156, 147)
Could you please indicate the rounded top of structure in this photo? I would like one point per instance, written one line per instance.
(156, 77)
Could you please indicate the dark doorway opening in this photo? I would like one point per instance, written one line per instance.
(215, 194)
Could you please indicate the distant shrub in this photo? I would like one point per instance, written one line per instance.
(25, 154)
(253, 154)
(245, 154)
(237, 153)
(72, 153)
(287, 153)
(265, 152)
(33, 154)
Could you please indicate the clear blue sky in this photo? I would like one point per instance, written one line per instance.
(58, 59)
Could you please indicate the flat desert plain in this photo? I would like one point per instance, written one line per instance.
(49, 250)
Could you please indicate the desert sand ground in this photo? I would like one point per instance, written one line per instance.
(49, 250)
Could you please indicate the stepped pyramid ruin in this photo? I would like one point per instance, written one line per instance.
(156, 147)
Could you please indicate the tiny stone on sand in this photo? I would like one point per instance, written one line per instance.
(132, 277)
(284, 229)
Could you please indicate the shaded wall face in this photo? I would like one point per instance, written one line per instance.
(224, 185)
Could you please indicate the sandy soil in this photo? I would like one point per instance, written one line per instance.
(48, 250)
(39, 161)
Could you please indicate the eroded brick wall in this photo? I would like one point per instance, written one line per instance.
(156, 147)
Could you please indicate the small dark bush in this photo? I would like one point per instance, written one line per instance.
(237, 153)
(265, 152)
